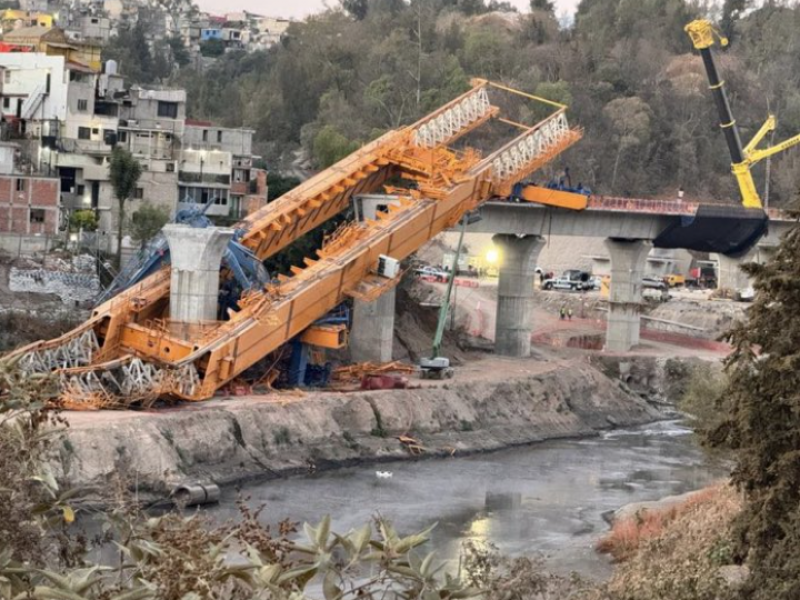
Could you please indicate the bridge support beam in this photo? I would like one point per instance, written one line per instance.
(628, 259)
(372, 334)
(513, 325)
(196, 255)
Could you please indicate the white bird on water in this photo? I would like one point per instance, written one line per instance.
(383, 474)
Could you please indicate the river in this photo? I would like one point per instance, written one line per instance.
(547, 498)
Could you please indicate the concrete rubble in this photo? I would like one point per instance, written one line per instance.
(72, 281)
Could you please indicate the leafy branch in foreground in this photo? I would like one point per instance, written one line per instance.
(177, 557)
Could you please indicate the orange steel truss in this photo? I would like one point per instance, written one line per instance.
(129, 351)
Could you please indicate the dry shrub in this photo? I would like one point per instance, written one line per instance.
(682, 561)
(627, 535)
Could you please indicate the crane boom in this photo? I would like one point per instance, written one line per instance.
(704, 35)
(130, 351)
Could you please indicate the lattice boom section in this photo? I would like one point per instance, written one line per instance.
(515, 160)
(453, 121)
(124, 383)
(77, 352)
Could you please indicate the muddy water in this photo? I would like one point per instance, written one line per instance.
(547, 498)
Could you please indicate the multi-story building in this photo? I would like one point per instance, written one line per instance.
(53, 41)
(217, 168)
(34, 5)
(29, 204)
(270, 31)
(151, 126)
(11, 19)
(90, 27)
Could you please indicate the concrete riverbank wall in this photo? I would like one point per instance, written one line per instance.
(492, 404)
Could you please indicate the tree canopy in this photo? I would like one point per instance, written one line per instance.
(365, 66)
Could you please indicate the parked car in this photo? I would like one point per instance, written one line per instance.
(432, 274)
(654, 283)
(572, 279)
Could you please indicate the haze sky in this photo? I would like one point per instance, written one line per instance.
(301, 8)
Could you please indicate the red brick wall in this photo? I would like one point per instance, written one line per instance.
(239, 188)
(39, 194)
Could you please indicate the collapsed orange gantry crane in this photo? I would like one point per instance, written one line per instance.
(129, 352)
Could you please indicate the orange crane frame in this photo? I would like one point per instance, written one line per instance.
(129, 352)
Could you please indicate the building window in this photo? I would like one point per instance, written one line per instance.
(20, 185)
(168, 110)
(170, 167)
(81, 190)
(6, 102)
(139, 193)
(219, 137)
(95, 131)
(83, 105)
(205, 135)
(123, 137)
(37, 215)
(84, 133)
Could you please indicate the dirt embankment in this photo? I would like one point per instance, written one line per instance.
(493, 404)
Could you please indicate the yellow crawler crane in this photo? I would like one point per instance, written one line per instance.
(704, 35)
(130, 352)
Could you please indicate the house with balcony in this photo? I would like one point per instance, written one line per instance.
(151, 127)
(226, 148)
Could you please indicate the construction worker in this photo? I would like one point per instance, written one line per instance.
(563, 312)
(569, 313)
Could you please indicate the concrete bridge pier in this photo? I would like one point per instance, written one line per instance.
(513, 326)
(729, 270)
(196, 255)
(372, 333)
(628, 259)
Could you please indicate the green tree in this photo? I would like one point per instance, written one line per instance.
(330, 147)
(147, 222)
(212, 48)
(731, 10)
(124, 174)
(631, 122)
(763, 426)
(179, 52)
(280, 185)
(83, 220)
(545, 5)
(356, 8)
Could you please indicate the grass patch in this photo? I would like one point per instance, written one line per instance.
(627, 535)
(675, 554)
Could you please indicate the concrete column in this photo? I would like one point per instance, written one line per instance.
(729, 273)
(628, 259)
(372, 333)
(729, 270)
(513, 325)
(196, 255)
